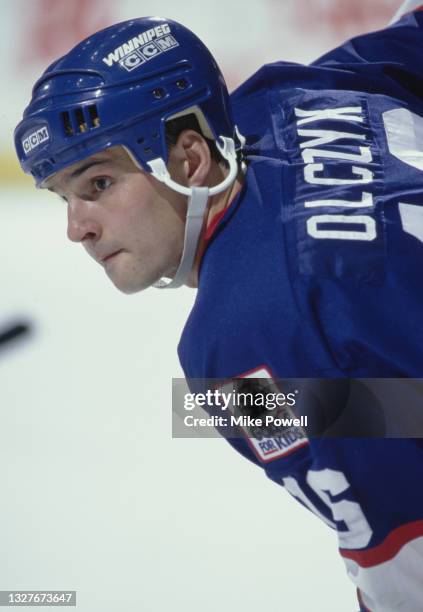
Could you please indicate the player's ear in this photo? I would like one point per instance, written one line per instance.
(190, 159)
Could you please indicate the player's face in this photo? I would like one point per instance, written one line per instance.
(125, 219)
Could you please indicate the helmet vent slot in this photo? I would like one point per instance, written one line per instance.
(69, 131)
(93, 114)
(80, 120)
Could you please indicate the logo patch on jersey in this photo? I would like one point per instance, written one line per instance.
(273, 443)
(34, 139)
(142, 48)
(279, 437)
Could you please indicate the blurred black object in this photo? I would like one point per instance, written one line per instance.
(13, 332)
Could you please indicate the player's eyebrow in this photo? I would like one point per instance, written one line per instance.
(84, 167)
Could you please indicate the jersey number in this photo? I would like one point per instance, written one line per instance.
(329, 483)
(404, 133)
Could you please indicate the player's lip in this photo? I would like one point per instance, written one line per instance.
(103, 260)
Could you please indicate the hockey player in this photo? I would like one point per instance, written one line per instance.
(303, 239)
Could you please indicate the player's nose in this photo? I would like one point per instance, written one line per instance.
(82, 224)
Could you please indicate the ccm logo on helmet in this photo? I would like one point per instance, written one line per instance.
(141, 48)
(35, 139)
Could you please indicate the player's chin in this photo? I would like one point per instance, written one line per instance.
(132, 281)
(127, 289)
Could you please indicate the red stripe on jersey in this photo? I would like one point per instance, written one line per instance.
(215, 222)
(385, 551)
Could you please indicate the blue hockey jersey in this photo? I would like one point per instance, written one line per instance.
(314, 271)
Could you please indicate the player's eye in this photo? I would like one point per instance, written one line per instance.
(101, 183)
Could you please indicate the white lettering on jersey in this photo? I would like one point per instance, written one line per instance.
(343, 113)
(365, 227)
(357, 227)
(323, 137)
(364, 157)
(365, 202)
(364, 176)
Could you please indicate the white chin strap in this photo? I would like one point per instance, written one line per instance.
(197, 204)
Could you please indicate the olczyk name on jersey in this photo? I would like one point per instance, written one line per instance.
(318, 156)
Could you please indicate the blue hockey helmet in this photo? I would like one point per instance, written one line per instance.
(119, 87)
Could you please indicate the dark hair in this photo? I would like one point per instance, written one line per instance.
(190, 122)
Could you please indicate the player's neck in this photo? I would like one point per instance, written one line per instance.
(218, 204)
